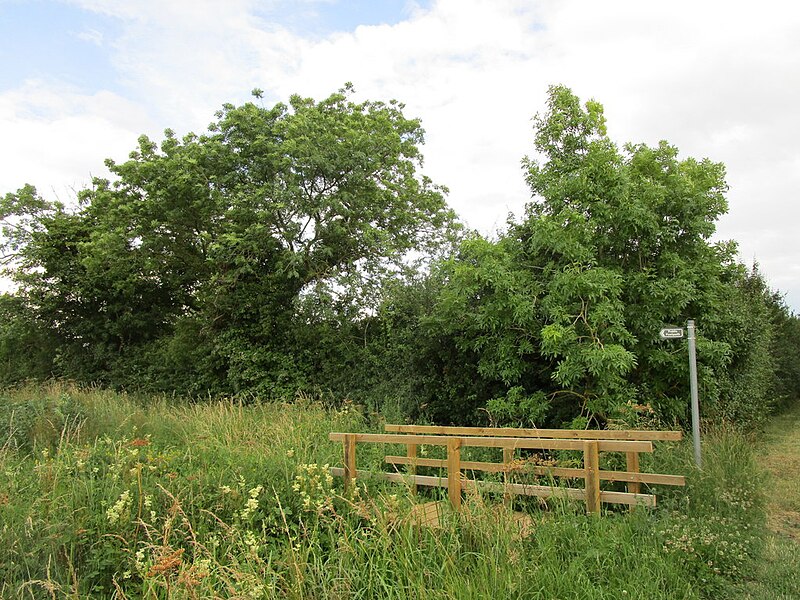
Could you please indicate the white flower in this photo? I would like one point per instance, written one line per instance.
(122, 505)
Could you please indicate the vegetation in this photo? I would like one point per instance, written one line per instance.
(270, 256)
(298, 253)
(110, 495)
(776, 575)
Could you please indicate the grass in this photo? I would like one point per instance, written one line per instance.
(782, 461)
(110, 496)
(777, 576)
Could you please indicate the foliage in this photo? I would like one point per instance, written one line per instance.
(204, 245)
(557, 321)
(298, 248)
(150, 498)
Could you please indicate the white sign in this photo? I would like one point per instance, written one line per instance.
(671, 333)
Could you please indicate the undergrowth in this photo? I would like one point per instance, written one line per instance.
(109, 496)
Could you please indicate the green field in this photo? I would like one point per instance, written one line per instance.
(108, 496)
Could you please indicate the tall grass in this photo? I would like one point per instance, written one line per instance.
(105, 495)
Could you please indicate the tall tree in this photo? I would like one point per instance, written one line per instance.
(202, 245)
(564, 310)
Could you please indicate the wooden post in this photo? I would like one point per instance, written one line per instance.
(454, 472)
(411, 452)
(349, 444)
(632, 462)
(591, 465)
(508, 458)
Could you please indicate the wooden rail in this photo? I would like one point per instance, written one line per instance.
(576, 434)
(631, 456)
(497, 442)
(590, 446)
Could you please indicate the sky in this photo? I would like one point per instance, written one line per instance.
(81, 79)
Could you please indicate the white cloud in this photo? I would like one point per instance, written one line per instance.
(61, 137)
(93, 36)
(717, 79)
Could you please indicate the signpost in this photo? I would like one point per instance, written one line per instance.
(693, 388)
(674, 333)
(671, 333)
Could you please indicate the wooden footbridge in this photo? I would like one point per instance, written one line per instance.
(589, 442)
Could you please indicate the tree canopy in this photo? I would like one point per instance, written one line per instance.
(208, 241)
(270, 255)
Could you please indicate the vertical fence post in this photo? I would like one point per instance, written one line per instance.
(632, 465)
(591, 465)
(508, 458)
(349, 444)
(454, 472)
(411, 453)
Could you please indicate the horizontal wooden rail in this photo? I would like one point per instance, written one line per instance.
(490, 467)
(540, 491)
(572, 434)
(496, 442)
(589, 446)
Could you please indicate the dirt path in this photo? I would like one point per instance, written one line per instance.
(782, 461)
(778, 575)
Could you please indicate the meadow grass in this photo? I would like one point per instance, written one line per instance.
(778, 574)
(112, 496)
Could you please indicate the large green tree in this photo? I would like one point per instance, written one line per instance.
(188, 264)
(562, 313)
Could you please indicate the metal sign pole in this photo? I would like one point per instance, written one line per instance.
(693, 388)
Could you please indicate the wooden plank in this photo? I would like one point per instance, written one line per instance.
(577, 434)
(652, 478)
(626, 498)
(454, 472)
(498, 442)
(508, 458)
(575, 473)
(591, 463)
(632, 465)
(543, 491)
(426, 514)
(522, 489)
(349, 445)
(411, 454)
(441, 463)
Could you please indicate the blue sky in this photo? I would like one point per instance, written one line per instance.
(47, 39)
(327, 17)
(82, 79)
(43, 40)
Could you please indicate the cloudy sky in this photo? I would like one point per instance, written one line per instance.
(81, 79)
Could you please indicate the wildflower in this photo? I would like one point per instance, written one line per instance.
(251, 504)
(251, 542)
(122, 505)
(290, 452)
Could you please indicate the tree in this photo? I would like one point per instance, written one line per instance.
(565, 308)
(205, 244)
